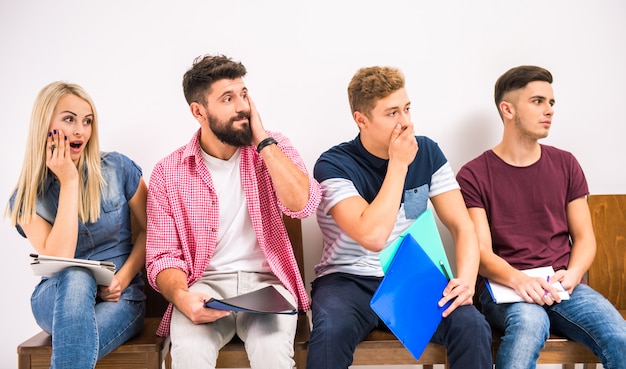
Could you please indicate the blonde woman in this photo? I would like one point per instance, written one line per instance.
(74, 201)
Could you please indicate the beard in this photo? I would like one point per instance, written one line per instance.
(225, 132)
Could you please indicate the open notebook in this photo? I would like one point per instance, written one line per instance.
(47, 266)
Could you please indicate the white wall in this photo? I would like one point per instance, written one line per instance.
(131, 55)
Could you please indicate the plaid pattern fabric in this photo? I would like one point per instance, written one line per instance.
(183, 216)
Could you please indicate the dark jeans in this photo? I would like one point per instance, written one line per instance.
(342, 318)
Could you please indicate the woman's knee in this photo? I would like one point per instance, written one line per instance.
(73, 289)
(77, 286)
(77, 278)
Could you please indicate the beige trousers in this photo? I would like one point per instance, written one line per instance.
(268, 337)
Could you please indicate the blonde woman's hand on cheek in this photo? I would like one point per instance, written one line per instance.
(58, 158)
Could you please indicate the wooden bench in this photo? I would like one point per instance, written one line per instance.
(607, 275)
(148, 351)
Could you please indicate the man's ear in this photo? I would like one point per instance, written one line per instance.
(507, 109)
(360, 119)
(198, 111)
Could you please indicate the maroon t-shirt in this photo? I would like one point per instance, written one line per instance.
(526, 206)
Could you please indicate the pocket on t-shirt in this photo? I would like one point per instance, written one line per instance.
(415, 201)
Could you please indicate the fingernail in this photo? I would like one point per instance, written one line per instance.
(54, 131)
(49, 134)
(65, 138)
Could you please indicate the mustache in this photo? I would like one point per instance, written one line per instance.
(240, 115)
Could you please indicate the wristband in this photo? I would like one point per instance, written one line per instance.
(266, 142)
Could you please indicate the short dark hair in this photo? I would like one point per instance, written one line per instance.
(205, 70)
(517, 78)
(371, 84)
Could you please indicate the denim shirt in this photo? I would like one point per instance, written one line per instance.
(109, 238)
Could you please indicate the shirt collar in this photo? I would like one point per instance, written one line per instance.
(372, 159)
(192, 149)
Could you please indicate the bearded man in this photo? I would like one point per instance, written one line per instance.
(215, 225)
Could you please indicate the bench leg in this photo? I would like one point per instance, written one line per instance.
(300, 359)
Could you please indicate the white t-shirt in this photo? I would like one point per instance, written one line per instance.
(237, 247)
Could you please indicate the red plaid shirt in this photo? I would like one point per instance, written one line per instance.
(183, 211)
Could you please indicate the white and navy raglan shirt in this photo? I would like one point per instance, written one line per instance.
(348, 170)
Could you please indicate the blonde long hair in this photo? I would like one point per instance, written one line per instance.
(34, 170)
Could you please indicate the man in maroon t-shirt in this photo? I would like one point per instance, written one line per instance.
(528, 202)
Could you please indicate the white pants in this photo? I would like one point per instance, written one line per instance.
(268, 338)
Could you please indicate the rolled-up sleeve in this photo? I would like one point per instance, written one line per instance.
(315, 190)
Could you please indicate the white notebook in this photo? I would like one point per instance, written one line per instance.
(502, 294)
(47, 266)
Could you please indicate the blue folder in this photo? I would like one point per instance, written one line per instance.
(424, 230)
(406, 299)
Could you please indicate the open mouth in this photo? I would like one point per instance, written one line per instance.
(76, 145)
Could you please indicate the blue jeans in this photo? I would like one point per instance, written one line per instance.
(83, 329)
(587, 317)
(342, 317)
